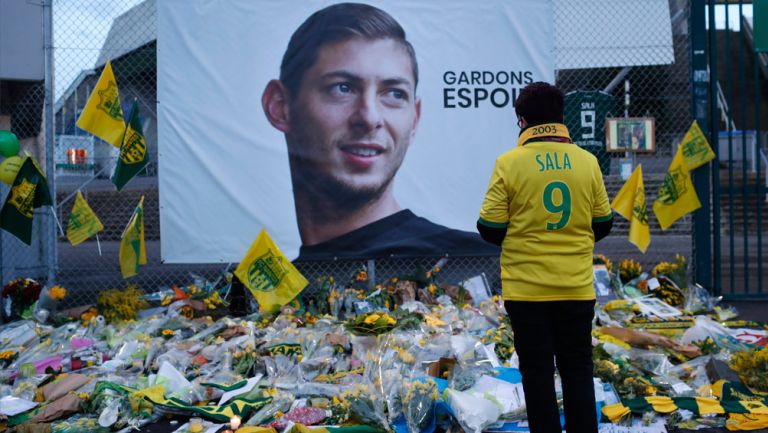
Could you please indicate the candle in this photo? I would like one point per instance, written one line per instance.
(195, 425)
(234, 422)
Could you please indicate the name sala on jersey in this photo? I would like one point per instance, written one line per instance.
(553, 161)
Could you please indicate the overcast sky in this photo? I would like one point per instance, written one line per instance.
(79, 30)
(80, 27)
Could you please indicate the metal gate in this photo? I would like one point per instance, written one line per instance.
(730, 102)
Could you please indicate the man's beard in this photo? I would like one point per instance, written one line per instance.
(330, 193)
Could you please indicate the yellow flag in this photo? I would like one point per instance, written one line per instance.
(133, 252)
(630, 203)
(696, 149)
(83, 222)
(676, 196)
(269, 275)
(103, 114)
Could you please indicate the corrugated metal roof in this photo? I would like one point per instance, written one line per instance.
(135, 28)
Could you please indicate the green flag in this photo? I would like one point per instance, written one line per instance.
(29, 191)
(133, 152)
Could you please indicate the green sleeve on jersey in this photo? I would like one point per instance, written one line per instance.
(603, 218)
(492, 224)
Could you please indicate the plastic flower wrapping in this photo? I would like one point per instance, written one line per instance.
(411, 352)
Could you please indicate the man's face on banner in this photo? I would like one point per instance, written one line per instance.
(353, 117)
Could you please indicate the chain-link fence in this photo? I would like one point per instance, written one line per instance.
(649, 80)
(87, 33)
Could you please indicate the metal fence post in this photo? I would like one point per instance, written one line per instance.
(701, 78)
(50, 244)
(371, 265)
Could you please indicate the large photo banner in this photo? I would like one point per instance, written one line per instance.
(346, 130)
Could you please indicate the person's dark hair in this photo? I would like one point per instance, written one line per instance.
(539, 103)
(337, 23)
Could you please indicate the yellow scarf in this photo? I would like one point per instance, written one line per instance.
(545, 130)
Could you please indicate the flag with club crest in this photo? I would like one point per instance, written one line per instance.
(133, 151)
(696, 149)
(269, 275)
(133, 252)
(29, 191)
(676, 196)
(83, 222)
(630, 203)
(103, 114)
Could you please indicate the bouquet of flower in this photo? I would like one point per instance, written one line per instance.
(504, 341)
(675, 271)
(244, 361)
(48, 301)
(600, 259)
(407, 320)
(752, 367)
(380, 299)
(23, 293)
(669, 292)
(375, 323)
(116, 305)
(419, 405)
(318, 301)
(627, 381)
(629, 269)
(7, 357)
(707, 346)
(364, 406)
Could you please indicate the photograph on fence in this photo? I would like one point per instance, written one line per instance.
(297, 157)
(630, 134)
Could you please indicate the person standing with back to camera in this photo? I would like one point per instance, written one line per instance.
(546, 206)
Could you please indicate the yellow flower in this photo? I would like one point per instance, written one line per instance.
(8, 354)
(57, 292)
(606, 261)
(83, 396)
(167, 332)
(422, 342)
(370, 320)
(432, 288)
(278, 414)
(433, 321)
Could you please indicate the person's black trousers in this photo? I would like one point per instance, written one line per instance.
(561, 331)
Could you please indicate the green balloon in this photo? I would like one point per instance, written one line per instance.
(9, 144)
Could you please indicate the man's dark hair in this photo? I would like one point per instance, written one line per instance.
(333, 24)
(539, 103)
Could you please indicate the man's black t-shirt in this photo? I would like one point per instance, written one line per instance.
(402, 234)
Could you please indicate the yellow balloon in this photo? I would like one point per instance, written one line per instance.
(9, 168)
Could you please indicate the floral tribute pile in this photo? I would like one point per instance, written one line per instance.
(409, 353)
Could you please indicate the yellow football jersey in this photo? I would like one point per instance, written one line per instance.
(546, 194)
